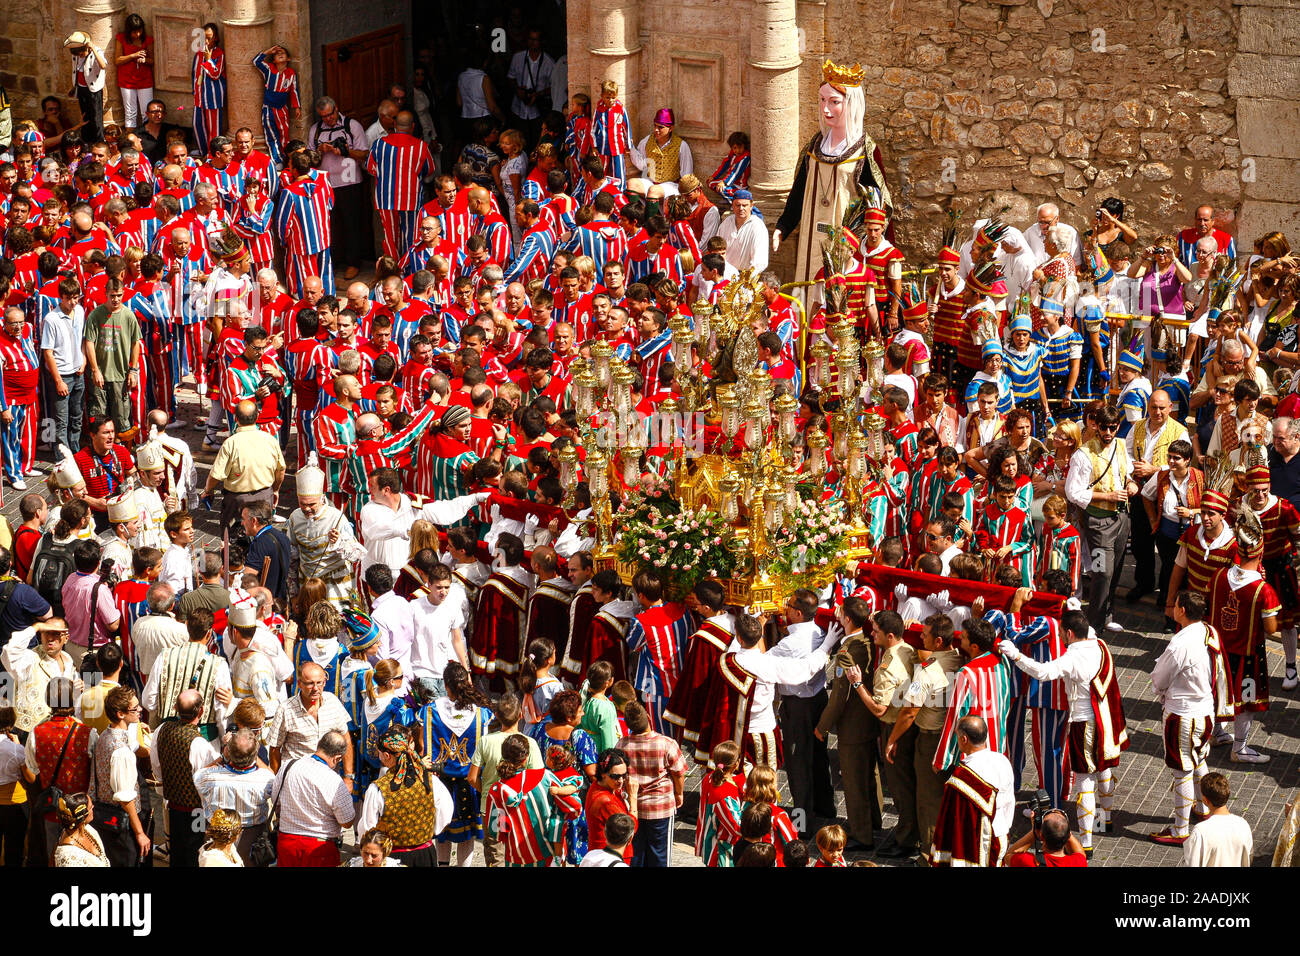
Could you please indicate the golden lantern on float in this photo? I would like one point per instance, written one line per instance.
(729, 405)
(729, 503)
(822, 354)
(756, 416)
(817, 443)
(601, 355)
(620, 392)
(630, 460)
(874, 425)
(585, 391)
(773, 507)
(683, 342)
(787, 406)
(874, 353)
(848, 364)
(703, 313)
(790, 485)
(569, 464)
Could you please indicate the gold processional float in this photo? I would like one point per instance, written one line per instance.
(754, 520)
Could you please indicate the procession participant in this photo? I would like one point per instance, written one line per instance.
(279, 97)
(209, 83)
(19, 380)
(500, 615)
(978, 803)
(302, 221)
(946, 305)
(1098, 733)
(1098, 483)
(193, 666)
(549, 601)
(1005, 532)
(1148, 446)
(657, 636)
(408, 802)
(106, 466)
(1281, 523)
(982, 688)
(321, 537)
(1135, 391)
(399, 162)
(1191, 684)
(1062, 353)
(667, 158)
(120, 814)
(1205, 547)
(609, 135)
(335, 432)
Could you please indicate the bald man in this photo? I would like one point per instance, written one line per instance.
(180, 751)
(336, 443)
(399, 163)
(491, 225)
(308, 715)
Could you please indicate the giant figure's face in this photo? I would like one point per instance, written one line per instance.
(833, 109)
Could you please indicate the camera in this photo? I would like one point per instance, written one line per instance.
(1038, 804)
(107, 573)
(340, 143)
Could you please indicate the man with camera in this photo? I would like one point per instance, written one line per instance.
(1099, 483)
(342, 144)
(1049, 841)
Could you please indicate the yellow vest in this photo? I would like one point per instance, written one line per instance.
(1172, 432)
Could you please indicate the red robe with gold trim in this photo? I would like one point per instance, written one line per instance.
(498, 642)
(700, 686)
(1238, 616)
(1204, 562)
(548, 614)
(963, 832)
(606, 639)
(1111, 736)
(727, 717)
(1281, 524)
(582, 609)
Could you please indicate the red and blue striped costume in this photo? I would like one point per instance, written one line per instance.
(130, 598)
(279, 96)
(983, 689)
(1060, 550)
(650, 356)
(600, 239)
(683, 239)
(999, 529)
(454, 222)
(257, 165)
(240, 381)
(209, 78)
(585, 195)
(526, 820)
(731, 174)
(938, 487)
(496, 230)
(152, 304)
(1047, 701)
(186, 352)
(534, 185)
(406, 322)
(658, 636)
(641, 262)
(308, 363)
(18, 386)
(228, 181)
(535, 253)
(254, 227)
(418, 256)
(399, 162)
(610, 139)
(302, 220)
(577, 136)
(335, 432)
(557, 212)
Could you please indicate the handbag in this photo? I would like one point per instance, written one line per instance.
(47, 801)
(262, 853)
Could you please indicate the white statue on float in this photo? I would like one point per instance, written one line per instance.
(839, 159)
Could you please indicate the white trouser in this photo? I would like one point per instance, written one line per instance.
(133, 106)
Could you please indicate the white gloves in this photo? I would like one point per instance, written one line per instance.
(1009, 650)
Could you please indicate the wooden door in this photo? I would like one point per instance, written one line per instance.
(359, 71)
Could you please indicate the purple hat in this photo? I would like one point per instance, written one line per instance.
(664, 117)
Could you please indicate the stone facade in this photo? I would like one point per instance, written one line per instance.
(1004, 102)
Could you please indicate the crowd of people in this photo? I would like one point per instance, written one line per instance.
(422, 651)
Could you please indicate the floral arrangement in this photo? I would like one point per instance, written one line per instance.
(683, 547)
(810, 543)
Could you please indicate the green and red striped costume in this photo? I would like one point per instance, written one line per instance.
(526, 819)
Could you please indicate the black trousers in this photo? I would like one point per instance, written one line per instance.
(185, 836)
(13, 832)
(1167, 547)
(1107, 537)
(806, 763)
(92, 111)
(347, 230)
(1142, 542)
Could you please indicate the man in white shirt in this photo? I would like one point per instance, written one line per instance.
(768, 671)
(392, 614)
(1185, 678)
(745, 234)
(530, 72)
(1049, 215)
(439, 629)
(387, 517)
(314, 804)
(305, 718)
(806, 763)
(157, 630)
(1223, 838)
(995, 770)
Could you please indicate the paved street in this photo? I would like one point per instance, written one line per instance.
(1143, 801)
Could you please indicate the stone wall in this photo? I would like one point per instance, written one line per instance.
(1070, 101)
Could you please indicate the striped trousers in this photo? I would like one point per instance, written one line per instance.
(398, 226)
(616, 168)
(162, 377)
(19, 441)
(186, 356)
(275, 127)
(1049, 731)
(298, 266)
(207, 127)
(655, 704)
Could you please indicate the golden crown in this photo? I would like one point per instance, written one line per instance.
(837, 75)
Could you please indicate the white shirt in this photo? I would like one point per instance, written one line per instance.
(386, 531)
(1182, 676)
(247, 793)
(1222, 840)
(1223, 537)
(297, 733)
(392, 615)
(560, 83)
(1078, 665)
(532, 75)
(431, 645)
(202, 754)
(746, 244)
(703, 287)
(995, 769)
(314, 800)
(154, 633)
(947, 556)
(62, 334)
(1078, 480)
(177, 568)
(1175, 494)
(798, 644)
(1148, 445)
(1034, 239)
(372, 807)
(220, 681)
(769, 671)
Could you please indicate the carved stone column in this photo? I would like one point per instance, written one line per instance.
(246, 30)
(101, 20)
(773, 79)
(615, 49)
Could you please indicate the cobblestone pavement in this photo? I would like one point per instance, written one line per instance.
(1143, 799)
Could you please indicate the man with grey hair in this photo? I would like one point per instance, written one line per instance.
(157, 630)
(239, 782)
(314, 803)
(179, 752)
(1049, 215)
(1284, 460)
(342, 144)
(1232, 361)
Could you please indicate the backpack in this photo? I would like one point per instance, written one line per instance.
(50, 568)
